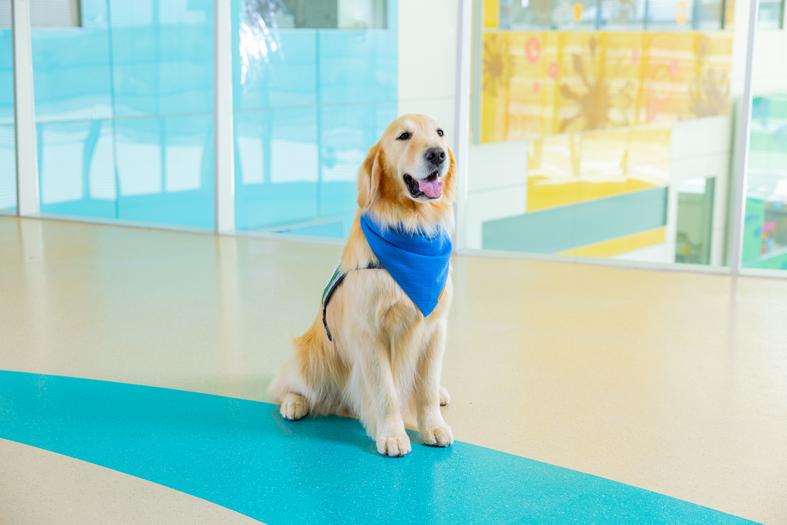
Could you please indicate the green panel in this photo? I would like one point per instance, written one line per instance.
(694, 224)
(772, 262)
(752, 230)
(765, 227)
(567, 227)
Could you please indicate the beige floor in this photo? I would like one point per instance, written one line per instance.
(38, 487)
(669, 381)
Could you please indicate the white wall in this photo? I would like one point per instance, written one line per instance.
(702, 148)
(769, 70)
(427, 59)
(497, 186)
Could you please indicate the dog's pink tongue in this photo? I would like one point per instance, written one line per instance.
(431, 189)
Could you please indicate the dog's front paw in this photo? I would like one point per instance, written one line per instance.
(438, 435)
(393, 445)
(293, 406)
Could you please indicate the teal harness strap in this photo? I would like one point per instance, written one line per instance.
(334, 282)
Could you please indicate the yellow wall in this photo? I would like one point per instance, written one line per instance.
(576, 167)
(620, 245)
(544, 83)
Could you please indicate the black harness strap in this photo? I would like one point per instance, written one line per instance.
(336, 279)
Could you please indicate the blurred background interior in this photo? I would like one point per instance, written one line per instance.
(597, 128)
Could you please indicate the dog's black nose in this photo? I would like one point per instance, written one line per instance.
(435, 156)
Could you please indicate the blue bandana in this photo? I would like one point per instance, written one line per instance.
(418, 263)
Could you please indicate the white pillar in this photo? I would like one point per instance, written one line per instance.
(225, 157)
(741, 91)
(24, 111)
(462, 116)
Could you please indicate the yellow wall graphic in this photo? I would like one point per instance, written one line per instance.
(620, 245)
(577, 167)
(544, 83)
(597, 108)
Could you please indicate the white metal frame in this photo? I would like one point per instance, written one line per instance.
(740, 166)
(28, 204)
(223, 113)
(27, 196)
(462, 114)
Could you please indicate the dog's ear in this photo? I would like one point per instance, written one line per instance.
(450, 176)
(369, 176)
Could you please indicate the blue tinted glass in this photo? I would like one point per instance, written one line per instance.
(311, 95)
(124, 105)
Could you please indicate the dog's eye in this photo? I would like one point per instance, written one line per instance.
(405, 135)
(440, 132)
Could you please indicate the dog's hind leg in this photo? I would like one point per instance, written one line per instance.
(290, 391)
(293, 406)
(311, 382)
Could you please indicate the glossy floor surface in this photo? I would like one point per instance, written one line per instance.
(670, 382)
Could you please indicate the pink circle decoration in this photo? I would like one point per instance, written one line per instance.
(554, 70)
(533, 50)
(635, 56)
(652, 109)
(674, 68)
(536, 86)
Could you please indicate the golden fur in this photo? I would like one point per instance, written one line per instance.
(385, 356)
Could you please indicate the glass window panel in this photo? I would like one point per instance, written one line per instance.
(124, 107)
(694, 220)
(709, 14)
(623, 14)
(51, 13)
(765, 218)
(670, 14)
(54, 13)
(770, 14)
(328, 14)
(685, 14)
(765, 227)
(607, 143)
(548, 14)
(7, 140)
(313, 91)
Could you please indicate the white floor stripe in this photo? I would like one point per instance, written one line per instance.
(38, 487)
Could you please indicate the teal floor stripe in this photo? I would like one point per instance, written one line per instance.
(242, 455)
(556, 229)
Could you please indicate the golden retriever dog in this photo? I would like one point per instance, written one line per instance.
(371, 353)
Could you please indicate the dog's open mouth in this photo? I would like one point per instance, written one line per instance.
(431, 187)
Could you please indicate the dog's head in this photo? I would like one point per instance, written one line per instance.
(408, 176)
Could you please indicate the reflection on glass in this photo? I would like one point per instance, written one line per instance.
(591, 140)
(346, 14)
(7, 155)
(695, 220)
(623, 13)
(709, 14)
(686, 14)
(610, 14)
(124, 106)
(765, 227)
(771, 14)
(518, 14)
(309, 102)
(675, 14)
